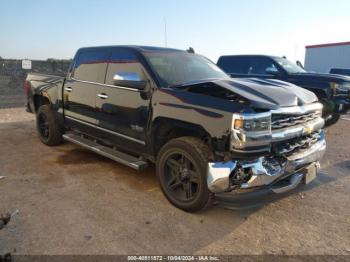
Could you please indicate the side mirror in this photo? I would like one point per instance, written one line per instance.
(300, 64)
(129, 79)
(272, 71)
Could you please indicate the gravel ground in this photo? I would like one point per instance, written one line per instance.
(72, 201)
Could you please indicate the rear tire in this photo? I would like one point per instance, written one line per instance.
(182, 173)
(49, 131)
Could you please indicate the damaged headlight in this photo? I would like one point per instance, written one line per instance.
(252, 122)
(251, 131)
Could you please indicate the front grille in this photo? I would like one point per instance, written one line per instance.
(280, 121)
(292, 145)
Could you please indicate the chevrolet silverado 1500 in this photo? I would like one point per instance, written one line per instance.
(206, 133)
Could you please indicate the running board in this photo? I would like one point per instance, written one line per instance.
(108, 152)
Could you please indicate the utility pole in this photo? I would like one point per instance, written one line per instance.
(165, 33)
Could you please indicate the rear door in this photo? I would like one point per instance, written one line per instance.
(124, 111)
(80, 88)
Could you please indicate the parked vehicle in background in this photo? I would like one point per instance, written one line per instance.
(340, 71)
(206, 133)
(321, 58)
(333, 91)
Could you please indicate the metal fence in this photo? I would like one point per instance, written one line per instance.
(12, 75)
(12, 78)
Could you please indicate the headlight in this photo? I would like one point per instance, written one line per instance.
(251, 131)
(252, 122)
(340, 89)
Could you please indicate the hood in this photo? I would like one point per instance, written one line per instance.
(261, 94)
(321, 77)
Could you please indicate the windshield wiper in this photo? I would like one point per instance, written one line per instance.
(193, 82)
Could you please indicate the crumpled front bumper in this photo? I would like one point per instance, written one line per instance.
(262, 173)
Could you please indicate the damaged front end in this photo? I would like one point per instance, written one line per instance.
(288, 143)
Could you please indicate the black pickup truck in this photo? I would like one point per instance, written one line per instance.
(207, 134)
(333, 91)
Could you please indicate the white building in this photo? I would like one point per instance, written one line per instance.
(321, 58)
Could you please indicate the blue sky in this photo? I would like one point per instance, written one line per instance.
(38, 29)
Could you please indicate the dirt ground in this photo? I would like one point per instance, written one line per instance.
(71, 201)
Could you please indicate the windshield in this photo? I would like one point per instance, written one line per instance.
(177, 68)
(289, 66)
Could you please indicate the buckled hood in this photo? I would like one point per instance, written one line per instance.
(262, 94)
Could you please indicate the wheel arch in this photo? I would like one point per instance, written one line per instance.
(164, 129)
(41, 99)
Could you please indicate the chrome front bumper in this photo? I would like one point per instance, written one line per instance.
(262, 173)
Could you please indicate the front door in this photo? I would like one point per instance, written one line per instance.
(122, 110)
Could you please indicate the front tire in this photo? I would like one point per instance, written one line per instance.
(332, 119)
(182, 173)
(48, 128)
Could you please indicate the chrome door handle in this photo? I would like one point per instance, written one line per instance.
(68, 89)
(102, 96)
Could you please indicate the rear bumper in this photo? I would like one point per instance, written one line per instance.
(264, 172)
(29, 105)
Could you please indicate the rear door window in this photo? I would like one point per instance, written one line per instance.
(91, 65)
(246, 65)
(235, 65)
(259, 65)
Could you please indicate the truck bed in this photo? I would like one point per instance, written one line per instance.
(49, 86)
(37, 77)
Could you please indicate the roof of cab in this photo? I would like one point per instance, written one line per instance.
(271, 56)
(137, 48)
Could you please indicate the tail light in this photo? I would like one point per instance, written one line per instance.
(26, 87)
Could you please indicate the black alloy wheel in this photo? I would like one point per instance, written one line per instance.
(182, 173)
(181, 176)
